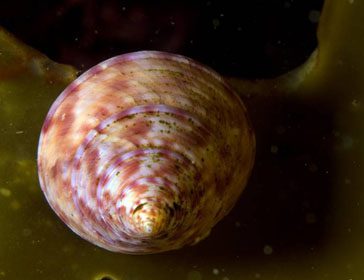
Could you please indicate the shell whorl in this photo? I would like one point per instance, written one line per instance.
(145, 152)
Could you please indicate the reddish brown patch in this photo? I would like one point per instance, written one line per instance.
(81, 203)
(91, 158)
(104, 179)
(104, 202)
(54, 170)
(106, 197)
(47, 124)
(221, 184)
(225, 152)
(122, 210)
(197, 137)
(77, 165)
(93, 188)
(194, 138)
(99, 235)
(65, 118)
(84, 129)
(140, 189)
(131, 168)
(71, 88)
(102, 113)
(103, 224)
(197, 176)
(87, 213)
(118, 84)
(92, 218)
(137, 131)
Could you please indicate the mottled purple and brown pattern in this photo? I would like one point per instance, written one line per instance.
(145, 152)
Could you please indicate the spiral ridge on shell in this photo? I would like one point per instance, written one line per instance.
(145, 152)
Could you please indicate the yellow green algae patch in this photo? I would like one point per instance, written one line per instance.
(29, 82)
(325, 97)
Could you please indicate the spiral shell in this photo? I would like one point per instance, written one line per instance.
(145, 152)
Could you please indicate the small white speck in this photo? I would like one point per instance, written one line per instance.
(63, 117)
(173, 23)
(104, 66)
(267, 250)
(96, 32)
(221, 15)
(215, 271)
(19, 132)
(123, 8)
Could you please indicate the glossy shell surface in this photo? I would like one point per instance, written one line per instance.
(145, 152)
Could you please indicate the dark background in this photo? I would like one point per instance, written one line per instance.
(260, 38)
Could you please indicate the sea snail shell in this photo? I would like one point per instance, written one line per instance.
(145, 152)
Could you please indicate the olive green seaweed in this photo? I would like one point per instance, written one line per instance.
(34, 244)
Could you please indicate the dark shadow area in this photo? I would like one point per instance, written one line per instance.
(241, 38)
(285, 208)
